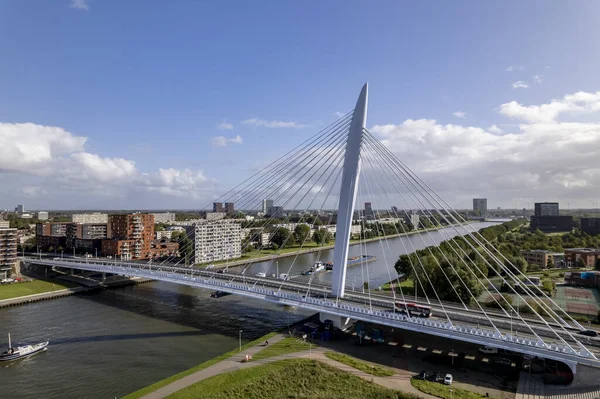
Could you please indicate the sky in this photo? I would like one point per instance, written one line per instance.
(110, 104)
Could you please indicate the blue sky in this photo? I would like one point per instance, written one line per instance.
(150, 82)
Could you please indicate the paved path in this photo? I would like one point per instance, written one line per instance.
(399, 381)
(533, 387)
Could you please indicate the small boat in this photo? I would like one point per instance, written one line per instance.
(22, 351)
(219, 294)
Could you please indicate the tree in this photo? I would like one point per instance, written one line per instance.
(186, 249)
(159, 227)
(322, 236)
(597, 265)
(580, 264)
(302, 233)
(283, 238)
(550, 263)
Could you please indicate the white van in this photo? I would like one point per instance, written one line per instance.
(261, 274)
(284, 276)
(488, 350)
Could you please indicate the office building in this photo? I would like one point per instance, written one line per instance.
(369, 215)
(395, 211)
(8, 251)
(20, 209)
(218, 207)
(538, 257)
(86, 218)
(587, 255)
(413, 219)
(276, 212)
(266, 205)
(165, 217)
(480, 206)
(551, 224)
(546, 209)
(585, 279)
(131, 236)
(229, 208)
(215, 240)
(42, 215)
(590, 226)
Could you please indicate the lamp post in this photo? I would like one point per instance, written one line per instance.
(451, 394)
(240, 340)
(511, 317)
(277, 269)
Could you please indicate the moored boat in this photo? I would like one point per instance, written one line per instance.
(22, 351)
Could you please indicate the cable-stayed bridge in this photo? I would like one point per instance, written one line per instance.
(345, 164)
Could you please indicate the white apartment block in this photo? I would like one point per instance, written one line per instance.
(216, 240)
(159, 235)
(165, 217)
(89, 218)
(5, 224)
(42, 215)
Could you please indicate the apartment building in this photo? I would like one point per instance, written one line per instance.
(50, 234)
(8, 251)
(131, 236)
(537, 257)
(42, 215)
(165, 217)
(85, 218)
(4, 224)
(215, 240)
(587, 255)
(87, 237)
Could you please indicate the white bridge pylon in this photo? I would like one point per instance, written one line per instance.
(348, 191)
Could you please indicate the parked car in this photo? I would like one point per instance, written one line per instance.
(422, 375)
(588, 333)
(504, 362)
(448, 379)
(435, 377)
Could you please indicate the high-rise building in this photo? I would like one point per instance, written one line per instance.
(276, 212)
(229, 208)
(131, 236)
(42, 215)
(216, 240)
(217, 207)
(369, 215)
(266, 205)
(8, 251)
(480, 205)
(20, 209)
(86, 218)
(413, 219)
(165, 217)
(394, 211)
(546, 209)
(590, 226)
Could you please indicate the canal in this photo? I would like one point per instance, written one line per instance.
(109, 343)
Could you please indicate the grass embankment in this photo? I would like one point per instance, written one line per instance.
(293, 378)
(443, 391)
(283, 347)
(151, 388)
(369, 368)
(15, 290)
(407, 287)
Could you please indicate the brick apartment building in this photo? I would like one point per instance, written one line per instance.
(537, 257)
(131, 236)
(587, 255)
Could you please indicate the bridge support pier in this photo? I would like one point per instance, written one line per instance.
(343, 323)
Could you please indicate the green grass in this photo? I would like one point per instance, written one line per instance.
(358, 364)
(407, 287)
(285, 346)
(292, 378)
(151, 388)
(443, 391)
(31, 287)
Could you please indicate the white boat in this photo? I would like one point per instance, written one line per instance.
(22, 351)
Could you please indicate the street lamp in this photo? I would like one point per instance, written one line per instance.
(240, 340)
(511, 317)
(451, 394)
(277, 268)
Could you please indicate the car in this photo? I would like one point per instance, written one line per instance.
(448, 379)
(422, 375)
(435, 377)
(588, 333)
(504, 362)
(488, 350)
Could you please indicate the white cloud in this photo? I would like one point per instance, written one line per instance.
(513, 68)
(520, 85)
(80, 5)
(460, 114)
(338, 114)
(222, 141)
(537, 79)
(540, 159)
(225, 126)
(54, 162)
(272, 124)
(495, 129)
(577, 103)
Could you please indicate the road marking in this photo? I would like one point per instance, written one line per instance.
(420, 348)
(470, 357)
(485, 360)
(437, 351)
(392, 343)
(407, 346)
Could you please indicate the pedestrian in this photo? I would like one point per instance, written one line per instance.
(266, 343)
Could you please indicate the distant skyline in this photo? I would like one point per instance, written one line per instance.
(114, 105)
